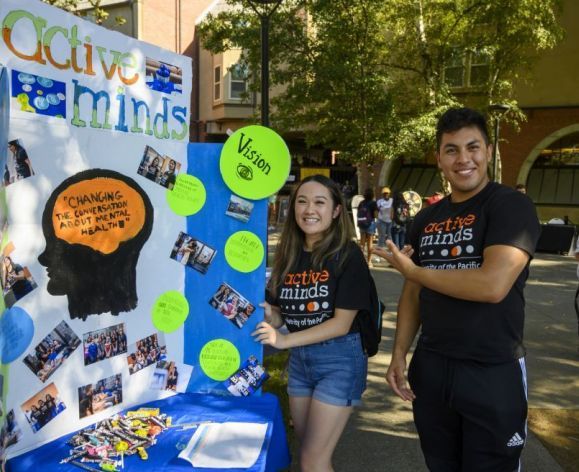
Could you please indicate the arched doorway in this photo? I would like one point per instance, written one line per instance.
(551, 174)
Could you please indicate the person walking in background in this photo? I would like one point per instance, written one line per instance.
(464, 286)
(521, 188)
(367, 212)
(319, 282)
(400, 217)
(384, 221)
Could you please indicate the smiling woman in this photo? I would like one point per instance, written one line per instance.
(320, 281)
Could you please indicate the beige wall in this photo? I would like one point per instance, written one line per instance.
(555, 77)
(170, 24)
(230, 113)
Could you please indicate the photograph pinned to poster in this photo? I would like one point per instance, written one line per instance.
(16, 279)
(43, 407)
(171, 376)
(50, 353)
(18, 164)
(104, 394)
(37, 94)
(10, 433)
(163, 77)
(239, 208)
(169, 172)
(232, 305)
(104, 343)
(146, 351)
(193, 253)
(248, 379)
(162, 170)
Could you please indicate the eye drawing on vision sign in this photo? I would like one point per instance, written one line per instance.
(95, 224)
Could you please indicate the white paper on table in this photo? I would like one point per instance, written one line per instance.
(225, 445)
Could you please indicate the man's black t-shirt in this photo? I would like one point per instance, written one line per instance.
(308, 297)
(453, 236)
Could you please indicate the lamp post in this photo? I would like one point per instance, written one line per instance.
(264, 9)
(499, 110)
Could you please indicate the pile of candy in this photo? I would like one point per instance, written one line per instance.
(107, 443)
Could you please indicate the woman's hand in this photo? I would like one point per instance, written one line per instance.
(267, 334)
(271, 315)
(267, 312)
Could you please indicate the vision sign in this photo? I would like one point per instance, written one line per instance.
(255, 162)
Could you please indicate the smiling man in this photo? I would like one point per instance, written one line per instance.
(464, 288)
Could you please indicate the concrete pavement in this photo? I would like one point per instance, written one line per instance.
(381, 435)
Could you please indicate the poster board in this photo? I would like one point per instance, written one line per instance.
(99, 207)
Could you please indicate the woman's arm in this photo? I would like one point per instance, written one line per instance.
(337, 326)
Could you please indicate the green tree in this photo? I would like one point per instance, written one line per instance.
(369, 78)
(480, 47)
(327, 55)
(94, 9)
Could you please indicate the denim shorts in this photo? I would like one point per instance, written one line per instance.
(333, 371)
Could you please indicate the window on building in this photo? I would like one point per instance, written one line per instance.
(467, 69)
(217, 83)
(237, 81)
(554, 177)
(454, 71)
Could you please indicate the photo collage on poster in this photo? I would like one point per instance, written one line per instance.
(248, 379)
(17, 281)
(37, 94)
(43, 407)
(145, 352)
(77, 331)
(104, 343)
(162, 170)
(171, 376)
(104, 394)
(193, 253)
(10, 432)
(18, 164)
(163, 77)
(52, 351)
(239, 208)
(232, 305)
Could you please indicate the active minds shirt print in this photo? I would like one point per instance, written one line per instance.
(308, 297)
(449, 236)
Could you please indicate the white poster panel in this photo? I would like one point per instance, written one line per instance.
(98, 131)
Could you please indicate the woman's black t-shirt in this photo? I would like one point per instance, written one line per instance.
(308, 297)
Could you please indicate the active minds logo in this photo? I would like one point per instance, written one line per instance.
(244, 172)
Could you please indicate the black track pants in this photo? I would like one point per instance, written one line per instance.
(470, 416)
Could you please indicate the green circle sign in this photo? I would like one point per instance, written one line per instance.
(219, 359)
(244, 251)
(255, 162)
(170, 311)
(188, 195)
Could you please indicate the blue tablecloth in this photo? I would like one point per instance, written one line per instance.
(183, 408)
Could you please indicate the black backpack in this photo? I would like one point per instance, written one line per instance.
(364, 217)
(370, 321)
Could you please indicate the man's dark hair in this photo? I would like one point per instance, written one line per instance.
(454, 119)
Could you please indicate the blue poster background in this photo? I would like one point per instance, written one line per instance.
(212, 226)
